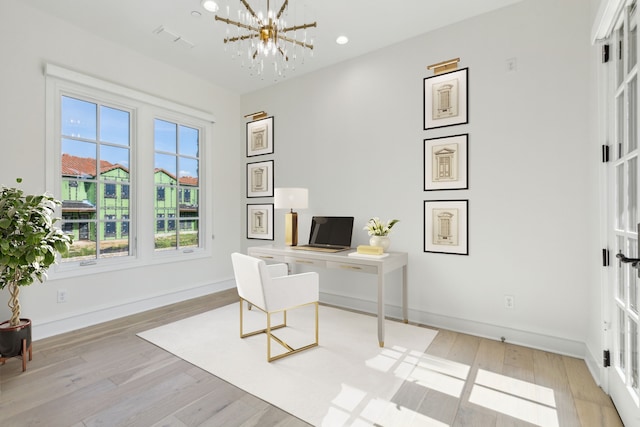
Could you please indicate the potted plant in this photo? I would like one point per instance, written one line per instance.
(379, 232)
(29, 243)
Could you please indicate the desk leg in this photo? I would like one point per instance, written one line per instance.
(405, 298)
(381, 308)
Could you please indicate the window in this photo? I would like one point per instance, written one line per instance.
(95, 152)
(176, 176)
(100, 139)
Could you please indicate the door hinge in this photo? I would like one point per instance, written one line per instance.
(606, 358)
(605, 153)
(605, 257)
(605, 53)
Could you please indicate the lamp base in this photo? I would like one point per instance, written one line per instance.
(291, 228)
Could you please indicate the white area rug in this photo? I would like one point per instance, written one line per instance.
(347, 380)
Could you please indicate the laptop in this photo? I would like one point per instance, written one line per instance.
(329, 234)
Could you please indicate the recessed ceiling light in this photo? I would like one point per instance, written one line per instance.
(196, 14)
(342, 40)
(210, 5)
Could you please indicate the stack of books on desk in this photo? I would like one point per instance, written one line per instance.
(366, 251)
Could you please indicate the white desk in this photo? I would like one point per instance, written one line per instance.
(341, 260)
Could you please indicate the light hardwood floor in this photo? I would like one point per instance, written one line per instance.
(105, 375)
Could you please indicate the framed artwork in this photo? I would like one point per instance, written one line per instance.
(446, 99)
(260, 137)
(446, 226)
(260, 221)
(260, 179)
(446, 163)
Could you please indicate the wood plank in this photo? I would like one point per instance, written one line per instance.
(593, 414)
(582, 385)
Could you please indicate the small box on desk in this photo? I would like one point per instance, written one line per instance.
(370, 250)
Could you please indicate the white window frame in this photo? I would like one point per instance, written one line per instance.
(144, 108)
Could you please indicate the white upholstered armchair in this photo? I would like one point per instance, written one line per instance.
(270, 289)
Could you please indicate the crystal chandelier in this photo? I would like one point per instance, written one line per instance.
(264, 40)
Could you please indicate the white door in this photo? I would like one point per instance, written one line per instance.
(623, 296)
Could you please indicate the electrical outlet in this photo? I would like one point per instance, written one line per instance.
(509, 301)
(62, 296)
(511, 65)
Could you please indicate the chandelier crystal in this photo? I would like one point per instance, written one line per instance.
(264, 40)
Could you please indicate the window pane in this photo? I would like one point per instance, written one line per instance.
(622, 333)
(633, 42)
(78, 118)
(166, 163)
(633, 346)
(114, 247)
(188, 171)
(619, 55)
(620, 114)
(189, 138)
(621, 294)
(189, 233)
(79, 159)
(115, 157)
(632, 193)
(189, 204)
(165, 136)
(632, 143)
(114, 125)
(620, 225)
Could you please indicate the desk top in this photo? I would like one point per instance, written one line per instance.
(287, 254)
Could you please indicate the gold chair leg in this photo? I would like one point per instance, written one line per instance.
(270, 336)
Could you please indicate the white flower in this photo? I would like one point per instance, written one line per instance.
(377, 228)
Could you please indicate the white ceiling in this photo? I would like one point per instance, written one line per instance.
(369, 24)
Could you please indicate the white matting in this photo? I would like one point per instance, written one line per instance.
(347, 380)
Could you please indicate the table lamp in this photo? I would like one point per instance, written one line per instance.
(291, 198)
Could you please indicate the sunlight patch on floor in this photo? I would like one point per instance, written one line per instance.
(519, 399)
(441, 375)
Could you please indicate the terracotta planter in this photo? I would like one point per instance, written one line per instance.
(11, 338)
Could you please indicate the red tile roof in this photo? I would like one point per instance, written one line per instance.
(86, 166)
(79, 166)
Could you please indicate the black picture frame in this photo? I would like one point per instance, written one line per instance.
(260, 137)
(446, 226)
(446, 99)
(260, 179)
(446, 163)
(260, 221)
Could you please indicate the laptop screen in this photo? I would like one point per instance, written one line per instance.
(331, 230)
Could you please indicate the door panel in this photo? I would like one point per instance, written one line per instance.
(623, 375)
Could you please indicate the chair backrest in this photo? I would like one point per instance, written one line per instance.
(251, 274)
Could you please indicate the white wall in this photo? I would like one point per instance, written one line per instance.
(31, 39)
(353, 134)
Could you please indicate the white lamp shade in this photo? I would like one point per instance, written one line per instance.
(291, 198)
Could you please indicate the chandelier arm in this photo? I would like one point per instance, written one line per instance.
(237, 24)
(299, 43)
(240, 38)
(298, 27)
(284, 5)
(286, 58)
(249, 9)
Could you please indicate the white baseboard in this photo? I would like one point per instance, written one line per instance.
(538, 341)
(45, 328)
